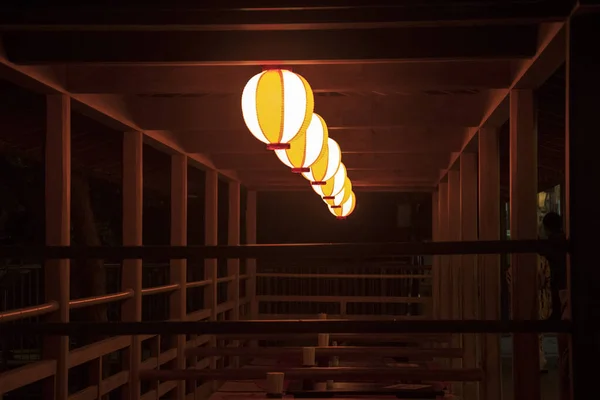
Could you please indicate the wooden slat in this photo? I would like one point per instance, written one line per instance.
(354, 299)
(412, 353)
(524, 225)
(251, 202)
(338, 373)
(58, 233)
(26, 375)
(131, 274)
(87, 353)
(468, 264)
(489, 264)
(344, 276)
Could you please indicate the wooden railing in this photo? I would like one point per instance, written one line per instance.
(95, 355)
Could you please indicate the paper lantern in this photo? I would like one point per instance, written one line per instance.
(342, 196)
(277, 104)
(326, 165)
(346, 209)
(306, 147)
(333, 186)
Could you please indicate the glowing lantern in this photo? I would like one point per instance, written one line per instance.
(326, 165)
(333, 186)
(306, 147)
(346, 209)
(342, 196)
(277, 104)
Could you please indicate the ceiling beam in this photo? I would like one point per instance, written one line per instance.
(410, 163)
(384, 78)
(260, 47)
(264, 15)
(497, 109)
(414, 139)
(353, 111)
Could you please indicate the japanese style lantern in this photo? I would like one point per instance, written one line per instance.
(332, 186)
(346, 209)
(277, 105)
(306, 147)
(326, 165)
(342, 196)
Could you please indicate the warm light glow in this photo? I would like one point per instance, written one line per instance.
(342, 196)
(277, 104)
(346, 209)
(326, 165)
(332, 186)
(306, 147)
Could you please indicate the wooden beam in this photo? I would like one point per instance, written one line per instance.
(400, 165)
(238, 16)
(399, 140)
(582, 88)
(211, 226)
(468, 263)
(497, 108)
(383, 78)
(489, 264)
(58, 233)
(435, 268)
(131, 310)
(243, 47)
(361, 188)
(524, 225)
(353, 111)
(178, 268)
(444, 261)
(251, 203)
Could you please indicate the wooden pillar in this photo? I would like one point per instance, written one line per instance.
(233, 264)
(455, 282)
(131, 275)
(523, 225)
(211, 226)
(233, 239)
(178, 268)
(251, 263)
(58, 233)
(469, 276)
(583, 175)
(489, 264)
(444, 261)
(435, 267)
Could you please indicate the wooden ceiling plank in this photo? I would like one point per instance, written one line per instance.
(258, 47)
(384, 77)
(224, 112)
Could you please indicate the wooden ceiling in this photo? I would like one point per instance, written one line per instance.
(401, 85)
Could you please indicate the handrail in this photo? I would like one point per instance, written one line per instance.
(343, 276)
(28, 312)
(96, 300)
(285, 251)
(160, 289)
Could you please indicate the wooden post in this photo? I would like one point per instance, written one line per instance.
(455, 282)
(211, 225)
(469, 276)
(489, 264)
(178, 268)
(58, 233)
(251, 262)
(131, 275)
(583, 174)
(233, 264)
(523, 225)
(443, 261)
(435, 268)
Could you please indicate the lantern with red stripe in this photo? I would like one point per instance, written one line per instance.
(306, 147)
(346, 209)
(326, 165)
(333, 186)
(341, 197)
(277, 105)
